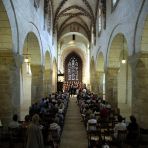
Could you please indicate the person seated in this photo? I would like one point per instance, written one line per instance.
(14, 123)
(133, 131)
(120, 126)
(55, 126)
(27, 121)
(91, 121)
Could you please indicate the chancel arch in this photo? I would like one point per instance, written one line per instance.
(73, 67)
(118, 75)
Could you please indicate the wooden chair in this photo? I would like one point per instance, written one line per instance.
(17, 136)
(121, 137)
(93, 133)
(133, 138)
(144, 137)
(4, 136)
(54, 137)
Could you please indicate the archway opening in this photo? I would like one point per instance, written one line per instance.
(119, 75)
(32, 51)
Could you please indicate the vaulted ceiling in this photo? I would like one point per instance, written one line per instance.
(74, 16)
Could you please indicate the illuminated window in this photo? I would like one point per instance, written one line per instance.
(114, 4)
(73, 69)
(99, 20)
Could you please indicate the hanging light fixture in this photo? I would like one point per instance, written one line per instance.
(73, 37)
(123, 58)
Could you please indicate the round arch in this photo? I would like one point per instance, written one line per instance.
(32, 68)
(118, 75)
(118, 50)
(144, 39)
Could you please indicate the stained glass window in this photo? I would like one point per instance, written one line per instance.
(114, 2)
(99, 19)
(73, 68)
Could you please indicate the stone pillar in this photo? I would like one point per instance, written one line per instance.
(100, 84)
(37, 82)
(93, 80)
(15, 83)
(46, 81)
(25, 100)
(54, 80)
(140, 88)
(9, 85)
(111, 85)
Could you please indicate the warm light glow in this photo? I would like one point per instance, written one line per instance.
(71, 42)
(61, 78)
(28, 68)
(123, 61)
(26, 60)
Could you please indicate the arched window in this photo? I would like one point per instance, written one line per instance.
(73, 68)
(99, 20)
(114, 4)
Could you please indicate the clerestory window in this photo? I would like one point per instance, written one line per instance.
(114, 4)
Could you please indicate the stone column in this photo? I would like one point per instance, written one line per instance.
(111, 85)
(37, 82)
(15, 83)
(140, 88)
(25, 100)
(93, 79)
(100, 84)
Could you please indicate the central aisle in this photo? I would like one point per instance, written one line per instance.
(74, 133)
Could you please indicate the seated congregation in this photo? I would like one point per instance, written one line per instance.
(42, 126)
(106, 127)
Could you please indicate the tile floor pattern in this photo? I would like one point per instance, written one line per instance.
(74, 133)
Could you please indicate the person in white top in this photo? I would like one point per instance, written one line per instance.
(92, 120)
(119, 126)
(14, 123)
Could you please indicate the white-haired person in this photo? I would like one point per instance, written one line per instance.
(34, 134)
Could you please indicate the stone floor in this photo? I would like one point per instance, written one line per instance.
(74, 133)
